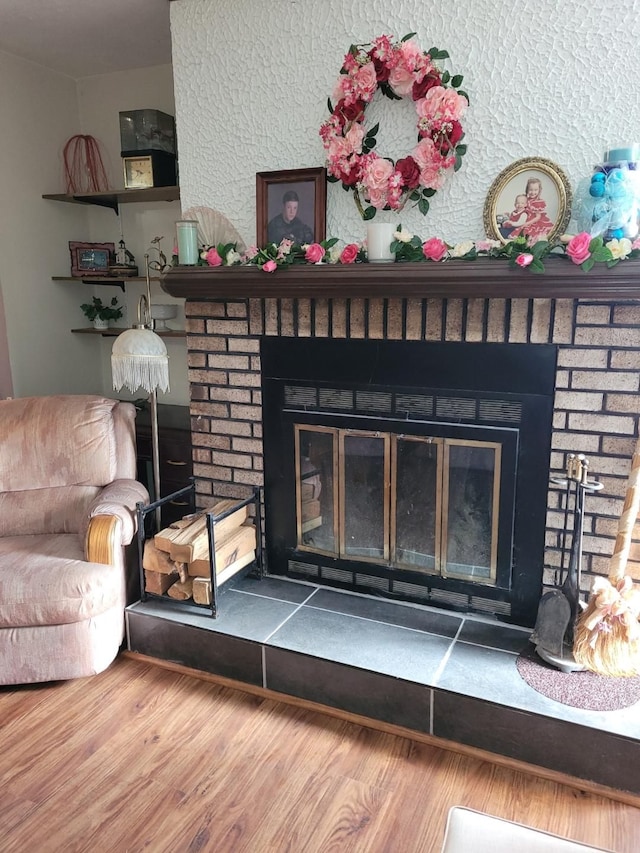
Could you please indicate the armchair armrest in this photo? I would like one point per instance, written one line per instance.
(118, 500)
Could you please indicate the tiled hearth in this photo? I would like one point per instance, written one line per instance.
(435, 672)
(429, 671)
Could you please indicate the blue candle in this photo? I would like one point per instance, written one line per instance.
(187, 234)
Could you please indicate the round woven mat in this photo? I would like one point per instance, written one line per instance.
(585, 690)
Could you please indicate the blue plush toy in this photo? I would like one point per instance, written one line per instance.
(608, 204)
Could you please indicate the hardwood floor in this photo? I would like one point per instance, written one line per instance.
(142, 758)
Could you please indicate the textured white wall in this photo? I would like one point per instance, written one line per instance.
(551, 79)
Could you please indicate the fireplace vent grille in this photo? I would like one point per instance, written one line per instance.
(456, 408)
(373, 582)
(374, 401)
(300, 397)
(336, 398)
(489, 606)
(503, 411)
(416, 406)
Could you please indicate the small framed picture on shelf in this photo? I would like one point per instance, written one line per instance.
(530, 198)
(291, 204)
(89, 259)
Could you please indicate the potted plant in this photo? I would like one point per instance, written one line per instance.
(100, 314)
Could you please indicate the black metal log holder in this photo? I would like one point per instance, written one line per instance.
(143, 510)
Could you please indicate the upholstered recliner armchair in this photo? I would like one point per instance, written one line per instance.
(67, 534)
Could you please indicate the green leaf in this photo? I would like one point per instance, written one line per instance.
(415, 195)
(445, 78)
(613, 262)
(369, 213)
(536, 266)
(461, 149)
(432, 52)
(456, 80)
(428, 192)
(540, 249)
(407, 37)
(595, 244)
(371, 133)
(601, 255)
(458, 163)
(423, 206)
(328, 244)
(588, 264)
(395, 246)
(329, 105)
(331, 179)
(464, 95)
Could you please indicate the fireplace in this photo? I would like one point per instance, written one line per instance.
(411, 470)
(592, 319)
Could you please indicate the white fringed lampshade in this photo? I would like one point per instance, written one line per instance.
(139, 360)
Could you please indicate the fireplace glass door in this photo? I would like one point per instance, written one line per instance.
(424, 504)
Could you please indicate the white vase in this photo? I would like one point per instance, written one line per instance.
(379, 239)
(100, 324)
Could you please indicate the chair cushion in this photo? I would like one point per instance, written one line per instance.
(44, 580)
(60, 510)
(62, 440)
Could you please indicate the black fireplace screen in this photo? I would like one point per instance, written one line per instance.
(427, 504)
(412, 470)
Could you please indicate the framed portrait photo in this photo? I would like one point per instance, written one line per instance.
(291, 204)
(89, 259)
(530, 198)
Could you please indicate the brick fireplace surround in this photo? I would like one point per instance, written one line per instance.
(595, 321)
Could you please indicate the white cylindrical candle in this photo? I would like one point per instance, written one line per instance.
(187, 236)
(379, 239)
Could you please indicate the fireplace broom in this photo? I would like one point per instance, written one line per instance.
(607, 636)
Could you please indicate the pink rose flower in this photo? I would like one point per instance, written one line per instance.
(434, 249)
(578, 247)
(401, 81)
(366, 81)
(314, 254)
(349, 254)
(270, 266)
(524, 260)
(213, 258)
(377, 173)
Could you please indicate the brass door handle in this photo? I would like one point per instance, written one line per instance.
(174, 462)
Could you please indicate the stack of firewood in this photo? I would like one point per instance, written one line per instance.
(176, 561)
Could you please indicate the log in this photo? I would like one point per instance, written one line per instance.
(194, 538)
(202, 586)
(156, 560)
(234, 546)
(181, 591)
(165, 537)
(310, 509)
(158, 583)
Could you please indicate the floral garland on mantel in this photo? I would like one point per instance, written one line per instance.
(398, 70)
(581, 249)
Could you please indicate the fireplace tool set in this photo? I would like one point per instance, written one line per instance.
(560, 608)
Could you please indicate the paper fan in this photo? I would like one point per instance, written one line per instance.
(214, 227)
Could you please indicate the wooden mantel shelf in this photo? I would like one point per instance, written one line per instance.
(481, 279)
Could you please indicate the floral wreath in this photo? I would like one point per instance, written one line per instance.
(399, 70)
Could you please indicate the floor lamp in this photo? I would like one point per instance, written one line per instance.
(139, 360)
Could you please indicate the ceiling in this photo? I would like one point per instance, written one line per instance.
(86, 37)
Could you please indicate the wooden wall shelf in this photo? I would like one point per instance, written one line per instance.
(113, 198)
(481, 279)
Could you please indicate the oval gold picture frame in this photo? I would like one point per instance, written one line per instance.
(543, 216)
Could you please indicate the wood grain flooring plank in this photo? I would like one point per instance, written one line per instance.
(141, 758)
